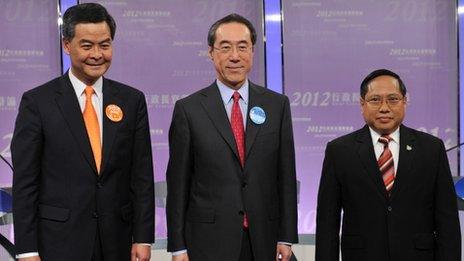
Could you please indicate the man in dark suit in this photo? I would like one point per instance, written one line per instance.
(393, 184)
(231, 172)
(83, 180)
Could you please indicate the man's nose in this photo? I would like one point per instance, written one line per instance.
(384, 106)
(96, 53)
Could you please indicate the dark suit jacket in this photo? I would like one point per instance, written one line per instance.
(59, 202)
(208, 190)
(419, 221)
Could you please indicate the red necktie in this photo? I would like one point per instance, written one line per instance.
(236, 121)
(385, 162)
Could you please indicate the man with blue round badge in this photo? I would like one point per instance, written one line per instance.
(231, 172)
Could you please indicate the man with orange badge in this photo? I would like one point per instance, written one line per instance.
(83, 176)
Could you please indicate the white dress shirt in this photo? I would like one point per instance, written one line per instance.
(97, 97)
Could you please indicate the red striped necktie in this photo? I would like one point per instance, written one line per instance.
(385, 162)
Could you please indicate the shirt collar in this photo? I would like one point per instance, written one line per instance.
(394, 135)
(79, 86)
(227, 92)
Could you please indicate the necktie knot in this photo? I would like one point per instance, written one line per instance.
(89, 91)
(236, 96)
(385, 139)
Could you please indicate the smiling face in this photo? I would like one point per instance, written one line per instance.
(90, 51)
(232, 54)
(385, 117)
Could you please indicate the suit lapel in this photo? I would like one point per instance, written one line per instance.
(367, 156)
(252, 129)
(407, 151)
(110, 128)
(69, 106)
(214, 107)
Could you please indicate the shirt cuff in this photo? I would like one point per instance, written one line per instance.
(284, 243)
(180, 252)
(144, 244)
(28, 254)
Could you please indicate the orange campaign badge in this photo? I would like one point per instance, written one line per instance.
(114, 113)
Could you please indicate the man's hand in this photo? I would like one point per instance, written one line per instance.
(31, 258)
(181, 257)
(140, 252)
(284, 251)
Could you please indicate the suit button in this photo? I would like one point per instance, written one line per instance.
(94, 215)
(241, 213)
(99, 185)
(389, 208)
(244, 185)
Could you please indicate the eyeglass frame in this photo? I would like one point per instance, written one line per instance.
(391, 101)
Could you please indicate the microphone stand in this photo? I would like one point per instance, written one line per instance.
(5, 242)
(6, 161)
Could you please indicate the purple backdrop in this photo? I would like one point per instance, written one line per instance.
(29, 56)
(331, 45)
(161, 49)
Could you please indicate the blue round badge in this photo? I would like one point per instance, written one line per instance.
(257, 115)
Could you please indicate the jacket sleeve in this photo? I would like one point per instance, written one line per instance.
(178, 178)
(328, 211)
(287, 180)
(142, 184)
(446, 213)
(26, 148)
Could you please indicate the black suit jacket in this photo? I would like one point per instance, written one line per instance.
(208, 191)
(59, 201)
(419, 221)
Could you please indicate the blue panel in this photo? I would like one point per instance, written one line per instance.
(5, 202)
(273, 36)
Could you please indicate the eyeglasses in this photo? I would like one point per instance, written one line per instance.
(377, 101)
(228, 48)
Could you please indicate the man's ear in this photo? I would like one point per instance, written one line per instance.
(210, 52)
(361, 103)
(66, 46)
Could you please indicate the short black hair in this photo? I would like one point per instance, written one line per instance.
(85, 13)
(231, 18)
(377, 73)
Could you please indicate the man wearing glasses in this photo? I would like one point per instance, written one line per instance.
(393, 184)
(231, 172)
